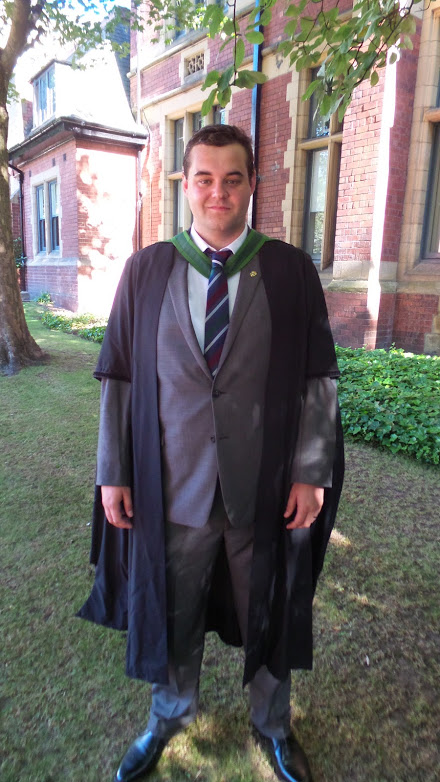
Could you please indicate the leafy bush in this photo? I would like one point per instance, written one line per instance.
(93, 333)
(86, 326)
(391, 398)
(45, 298)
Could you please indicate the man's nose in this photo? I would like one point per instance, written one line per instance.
(219, 190)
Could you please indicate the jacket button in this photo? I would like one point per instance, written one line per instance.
(216, 393)
(213, 439)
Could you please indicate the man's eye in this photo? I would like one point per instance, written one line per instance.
(232, 182)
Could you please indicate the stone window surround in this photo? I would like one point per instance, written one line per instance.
(304, 145)
(412, 266)
(43, 178)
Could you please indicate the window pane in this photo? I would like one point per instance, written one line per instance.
(41, 221)
(197, 121)
(41, 98)
(178, 144)
(177, 206)
(51, 92)
(53, 216)
(432, 224)
(317, 126)
(218, 115)
(314, 218)
(44, 95)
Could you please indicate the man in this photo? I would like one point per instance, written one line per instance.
(216, 457)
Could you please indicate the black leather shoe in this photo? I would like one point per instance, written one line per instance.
(141, 757)
(287, 757)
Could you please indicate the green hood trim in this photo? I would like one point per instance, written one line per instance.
(189, 250)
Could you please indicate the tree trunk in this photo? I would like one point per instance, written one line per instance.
(17, 347)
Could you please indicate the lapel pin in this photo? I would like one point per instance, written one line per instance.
(253, 274)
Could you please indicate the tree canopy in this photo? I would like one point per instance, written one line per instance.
(348, 46)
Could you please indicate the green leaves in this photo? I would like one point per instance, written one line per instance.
(235, 35)
(355, 48)
(209, 102)
(240, 51)
(253, 36)
(391, 398)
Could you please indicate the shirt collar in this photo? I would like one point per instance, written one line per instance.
(233, 246)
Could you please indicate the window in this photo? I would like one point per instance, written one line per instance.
(44, 96)
(41, 219)
(323, 148)
(218, 116)
(432, 236)
(178, 202)
(317, 165)
(197, 121)
(53, 216)
(431, 228)
(47, 203)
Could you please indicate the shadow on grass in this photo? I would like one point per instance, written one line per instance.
(368, 712)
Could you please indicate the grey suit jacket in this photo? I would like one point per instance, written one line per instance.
(213, 428)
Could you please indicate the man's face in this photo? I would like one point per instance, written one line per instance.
(218, 191)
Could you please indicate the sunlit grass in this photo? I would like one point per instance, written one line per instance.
(368, 712)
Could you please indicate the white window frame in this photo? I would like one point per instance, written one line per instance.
(41, 183)
(44, 85)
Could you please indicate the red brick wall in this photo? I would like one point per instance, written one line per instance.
(60, 281)
(275, 131)
(105, 186)
(403, 318)
(349, 318)
(64, 158)
(413, 319)
(97, 224)
(359, 189)
(358, 174)
(106, 201)
(151, 216)
(57, 279)
(399, 149)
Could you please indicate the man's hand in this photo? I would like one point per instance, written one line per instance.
(307, 500)
(118, 505)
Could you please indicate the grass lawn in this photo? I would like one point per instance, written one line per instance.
(369, 711)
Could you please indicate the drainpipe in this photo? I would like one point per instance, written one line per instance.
(21, 208)
(255, 111)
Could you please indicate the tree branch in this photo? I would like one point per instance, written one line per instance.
(24, 19)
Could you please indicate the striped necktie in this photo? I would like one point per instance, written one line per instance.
(217, 309)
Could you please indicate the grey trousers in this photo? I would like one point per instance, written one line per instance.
(191, 554)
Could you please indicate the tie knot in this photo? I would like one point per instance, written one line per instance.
(218, 256)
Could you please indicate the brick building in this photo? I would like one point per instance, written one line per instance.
(362, 197)
(74, 154)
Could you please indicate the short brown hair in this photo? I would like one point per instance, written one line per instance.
(221, 136)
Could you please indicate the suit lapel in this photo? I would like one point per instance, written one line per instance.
(250, 278)
(178, 288)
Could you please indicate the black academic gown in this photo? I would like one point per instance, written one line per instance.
(129, 592)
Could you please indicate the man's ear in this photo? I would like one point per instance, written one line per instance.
(184, 184)
(253, 181)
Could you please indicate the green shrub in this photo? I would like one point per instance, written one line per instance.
(44, 298)
(86, 326)
(391, 398)
(93, 333)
